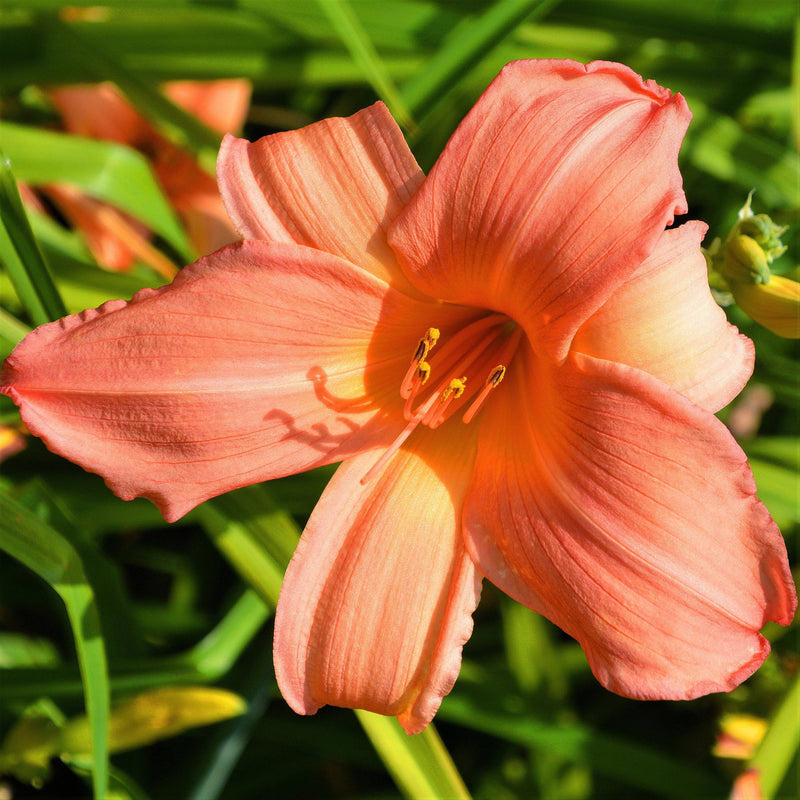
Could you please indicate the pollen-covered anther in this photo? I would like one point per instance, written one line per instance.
(495, 376)
(426, 344)
(418, 381)
(438, 413)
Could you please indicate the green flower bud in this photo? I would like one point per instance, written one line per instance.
(744, 261)
(761, 228)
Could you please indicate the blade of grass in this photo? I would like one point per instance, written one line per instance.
(47, 553)
(21, 255)
(11, 331)
(796, 85)
(628, 762)
(356, 40)
(420, 764)
(718, 145)
(206, 662)
(780, 744)
(472, 40)
(254, 534)
(104, 170)
(180, 126)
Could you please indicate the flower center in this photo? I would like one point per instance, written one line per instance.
(473, 363)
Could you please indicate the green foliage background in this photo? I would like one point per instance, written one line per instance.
(99, 598)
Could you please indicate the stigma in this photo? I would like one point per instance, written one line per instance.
(471, 365)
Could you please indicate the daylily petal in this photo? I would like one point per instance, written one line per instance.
(664, 321)
(377, 600)
(627, 515)
(206, 221)
(258, 361)
(195, 196)
(335, 185)
(90, 216)
(222, 105)
(550, 193)
(100, 112)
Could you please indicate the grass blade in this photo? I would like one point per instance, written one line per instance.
(356, 40)
(627, 762)
(47, 553)
(21, 255)
(420, 764)
(468, 45)
(780, 744)
(104, 170)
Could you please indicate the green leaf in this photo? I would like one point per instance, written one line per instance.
(104, 170)
(796, 84)
(47, 553)
(11, 331)
(630, 763)
(254, 534)
(420, 764)
(206, 662)
(21, 255)
(780, 743)
(718, 145)
(347, 25)
(179, 125)
(468, 44)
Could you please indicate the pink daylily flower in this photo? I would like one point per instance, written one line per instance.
(516, 362)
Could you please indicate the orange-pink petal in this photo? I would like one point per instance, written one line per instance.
(377, 601)
(194, 194)
(550, 193)
(91, 217)
(222, 105)
(628, 516)
(258, 361)
(335, 185)
(664, 321)
(100, 112)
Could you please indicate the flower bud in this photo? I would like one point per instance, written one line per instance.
(153, 715)
(775, 305)
(744, 261)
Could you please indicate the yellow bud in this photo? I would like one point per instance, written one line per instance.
(739, 736)
(775, 305)
(744, 261)
(28, 748)
(154, 715)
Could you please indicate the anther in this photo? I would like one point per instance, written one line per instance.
(417, 382)
(495, 376)
(436, 416)
(426, 344)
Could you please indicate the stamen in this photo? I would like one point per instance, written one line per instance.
(495, 376)
(420, 379)
(398, 442)
(426, 344)
(436, 416)
(458, 355)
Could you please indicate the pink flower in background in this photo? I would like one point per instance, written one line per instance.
(100, 112)
(516, 362)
